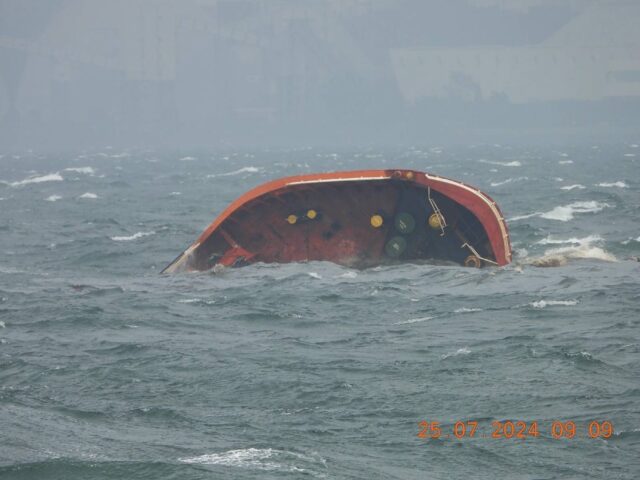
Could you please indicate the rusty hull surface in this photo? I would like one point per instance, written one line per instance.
(257, 227)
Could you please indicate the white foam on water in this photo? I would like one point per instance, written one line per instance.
(551, 240)
(564, 155)
(550, 303)
(50, 177)
(522, 217)
(556, 257)
(253, 458)
(348, 275)
(88, 195)
(508, 180)
(315, 275)
(2, 324)
(629, 154)
(135, 236)
(617, 184)
(413, 320)
(460, 351)
(235, 172)
(53, 198)
(175, 193)
(564, 213)
(85, 170)
(572, 187)
(565, 162)
(467, 310)
(187, 159)
(514, 163)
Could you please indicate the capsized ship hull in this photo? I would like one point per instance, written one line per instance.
(358, 219)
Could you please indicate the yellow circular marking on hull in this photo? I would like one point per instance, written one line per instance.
(435, 221)
(311, 214)
(376, 221)
(292, 219)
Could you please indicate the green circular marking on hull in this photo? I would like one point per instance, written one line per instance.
(395, 247)
(405, 223)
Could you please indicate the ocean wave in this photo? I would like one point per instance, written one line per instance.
(564, 213)
(617, 184)
(551, 240)
(259, 459)
(50, 177)
(88, 195)
(413, 320)
(550, 303)
(187, 159)
(508, 180)
(235, 172)
(85, 170)
(565, 162)
(467, 310)
(572, 187)
(557, 257)
(460, 351)
(514, 163)
(135, 236)
(53, 198)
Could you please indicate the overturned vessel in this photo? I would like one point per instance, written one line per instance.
(358, 219)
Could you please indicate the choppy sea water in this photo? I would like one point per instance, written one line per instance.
(110, 370)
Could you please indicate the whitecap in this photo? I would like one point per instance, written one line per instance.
(315, 275)
(629, 154)
(550, 303)
(135, 236)
(564, 213)
(551, 240)
(51, 177)
(255, 458)
(565, 162)
(514, 163)
(88, 195)
(235, 172)
(348, 275)
(413, 320)
(175, 193)
(53, 198)
(2, 324)
(617, 184)
(460, 351)
(85, 170)
(572, 187)
(187, 159)
(522, 217)
(556, 257)
(467, 310)
(508, 180)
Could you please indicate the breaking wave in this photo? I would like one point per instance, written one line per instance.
(618, 184)
(51, 177)
(413, 320)
(88, 195)
(571, 187)
(565, 213)
(53, 198)
(550, 303)
(514, 163)
(260, 459)
(86, 170)
(135, 236)
(235, 172)
(460, 351)
(508, 180)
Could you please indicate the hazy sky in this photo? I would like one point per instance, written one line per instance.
(191, 73)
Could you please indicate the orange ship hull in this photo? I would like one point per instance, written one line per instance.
(358, 219)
